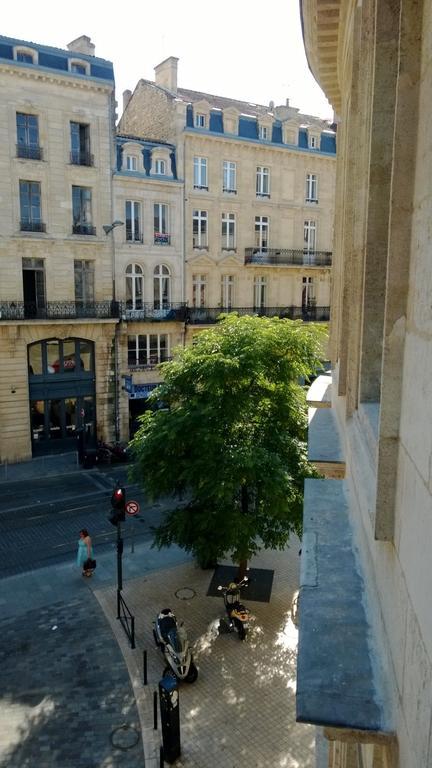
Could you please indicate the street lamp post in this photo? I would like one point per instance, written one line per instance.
(118, 504)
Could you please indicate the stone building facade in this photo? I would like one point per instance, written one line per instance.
(149, 267)
(118, 245)
(57, 123)
(258, 198)
(365, 641)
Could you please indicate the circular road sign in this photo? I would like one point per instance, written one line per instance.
(132, 507)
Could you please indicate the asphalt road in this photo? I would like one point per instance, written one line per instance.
(40, 519)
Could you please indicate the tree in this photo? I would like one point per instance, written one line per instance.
(230, 442)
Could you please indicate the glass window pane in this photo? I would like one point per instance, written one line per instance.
(55, 419)
(35, 360)
(69, 362)
(70, 416)
(86, 355)
(37, 415)
(53, 356)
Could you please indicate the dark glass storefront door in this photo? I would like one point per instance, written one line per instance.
(62, 394)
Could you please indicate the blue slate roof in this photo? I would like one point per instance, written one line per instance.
(57, 58)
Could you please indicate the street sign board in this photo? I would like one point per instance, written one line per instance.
(132, 507)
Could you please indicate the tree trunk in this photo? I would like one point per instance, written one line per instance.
(245, 509)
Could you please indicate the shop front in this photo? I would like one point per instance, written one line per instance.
(61, 394)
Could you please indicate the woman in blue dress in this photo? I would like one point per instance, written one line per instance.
(85, 550)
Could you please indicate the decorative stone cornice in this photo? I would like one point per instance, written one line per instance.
(49, 76)
(321, 23)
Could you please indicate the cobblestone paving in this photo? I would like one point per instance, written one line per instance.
(64, 688)
(240, 713)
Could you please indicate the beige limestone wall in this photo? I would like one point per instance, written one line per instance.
(286, 210)
(384, 379)
(147, 254)
(56, 102)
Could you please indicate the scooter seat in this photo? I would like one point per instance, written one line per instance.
(166, 624)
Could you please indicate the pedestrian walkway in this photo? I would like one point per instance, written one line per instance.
(69, 678)
(241, 711)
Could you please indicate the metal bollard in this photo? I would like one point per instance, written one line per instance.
(144, 667)
(155, 710)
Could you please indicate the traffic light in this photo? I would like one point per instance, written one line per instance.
(118, 504)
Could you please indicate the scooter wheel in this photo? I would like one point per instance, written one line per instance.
(192, 674)
(241, 632)
(156, 639)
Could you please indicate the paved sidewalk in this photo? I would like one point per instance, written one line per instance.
(240, 713)
(63, 691)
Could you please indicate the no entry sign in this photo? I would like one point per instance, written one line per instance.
(132, 507)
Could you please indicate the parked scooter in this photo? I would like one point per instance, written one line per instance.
(170, 636)
(237, 613)
(110, 453)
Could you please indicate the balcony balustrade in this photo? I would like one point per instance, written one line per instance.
(177, 312)
(32, 226)
(83, 229)
(286, 257)
(81, 157)
(209, 315)
(29, 151)
(58, 310)
(148, 311)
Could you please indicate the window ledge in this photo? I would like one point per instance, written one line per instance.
(336, 683)
(324, 446)
(319, 393)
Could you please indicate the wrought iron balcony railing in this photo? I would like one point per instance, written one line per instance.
(148, 311)
(32, 226)
(29, 151)
(133, 237)
(209, 315)
(58, 310)
(83, 229)
(284, 256)
(80, 157)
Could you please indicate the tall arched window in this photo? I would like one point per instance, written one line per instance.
(134, 286)
(161, 287)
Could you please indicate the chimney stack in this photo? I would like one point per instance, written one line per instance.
(82, 44)
(166, 74)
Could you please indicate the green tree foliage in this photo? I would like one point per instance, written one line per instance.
(231, 442)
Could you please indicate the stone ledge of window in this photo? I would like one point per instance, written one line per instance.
(264, 195)
(319, 393)
(200, 247)
(312, 200)
(230, 191)
(324, 445)
(228, 250)
(343, 688)
(198, 186)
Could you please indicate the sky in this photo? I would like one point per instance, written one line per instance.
(250, 50)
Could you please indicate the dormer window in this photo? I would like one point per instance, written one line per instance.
(25, 55)
(313, 142)
(264, 132)
(79, 67)
(131, 163)
(200, 120)
(160, 167)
